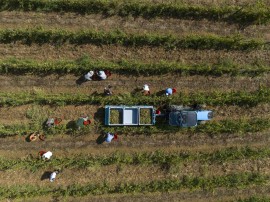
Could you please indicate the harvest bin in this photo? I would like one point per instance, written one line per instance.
(129, 115)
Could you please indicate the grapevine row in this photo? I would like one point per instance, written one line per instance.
(158, 158)
(241, 126)
(59, 37)
(241, 180)
(241, 98)
(82, 65)
(257, 13)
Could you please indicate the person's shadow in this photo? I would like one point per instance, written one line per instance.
(160, 93)
(46, 175)
(80, 80)
(71, 127)
(101, 139)
(137, 91)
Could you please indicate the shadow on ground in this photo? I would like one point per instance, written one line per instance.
(80, 80)
(46, 175)
(101, 138)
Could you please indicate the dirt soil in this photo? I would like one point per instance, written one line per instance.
(178, 27)
(128, 84)
(144, 54)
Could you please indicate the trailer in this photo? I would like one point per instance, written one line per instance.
(123, 115)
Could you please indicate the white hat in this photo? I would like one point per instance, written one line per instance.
(91, 73)
(167, 94)
(146, 87)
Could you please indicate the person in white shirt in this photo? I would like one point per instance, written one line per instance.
(53, 175)
(88, 76)
(146, 90)
(111, 137)
(47, 155)
(102, 75)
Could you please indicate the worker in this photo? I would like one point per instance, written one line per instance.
(86, 120)
(45, 155)
(146, 90)
(53, 175)
(111, 137)
(107, 90)
(88, 76)
(170, 91)
(102, 75)
(52, 122)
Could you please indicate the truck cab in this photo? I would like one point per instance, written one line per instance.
(189, 118)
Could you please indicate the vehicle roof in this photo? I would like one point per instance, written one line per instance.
(183, 118)
(203, 115)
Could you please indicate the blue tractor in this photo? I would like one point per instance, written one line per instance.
(187, 116)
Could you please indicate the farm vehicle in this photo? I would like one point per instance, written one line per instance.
(174, 115)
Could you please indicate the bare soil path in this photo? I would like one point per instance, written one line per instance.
(127, 84)
(17, 147)
(178, 27)
(144, 54)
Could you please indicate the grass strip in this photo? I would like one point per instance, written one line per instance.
(158, 158)
(241, 98)
(212, 128)
(82, 65)
(240, 180)
(59, 37)
(253, 13)
(255, 199)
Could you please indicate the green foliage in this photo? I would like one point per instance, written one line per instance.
(82, 65)
(255, 199)
(157, 158)
(58, 37)
(253, 13)
(234, 126)
(241, 98)
(241, 126)
(233, 180)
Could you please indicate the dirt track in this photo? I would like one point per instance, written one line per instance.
(171, 142)
(145, 54)
(75, 22)
(127, 84)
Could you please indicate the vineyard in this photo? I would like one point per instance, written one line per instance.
(214, 52)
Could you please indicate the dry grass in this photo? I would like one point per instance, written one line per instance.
(115, 174)
(145, 54)
(74, 22)
(208, 2)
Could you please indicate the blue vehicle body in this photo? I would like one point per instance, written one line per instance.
(184, 118)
